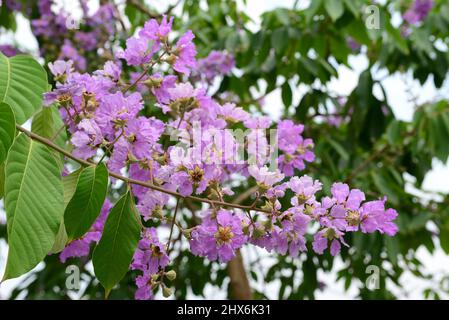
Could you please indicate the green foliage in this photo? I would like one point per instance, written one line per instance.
(87, 201)
(69, 183)
(33, 202)
(2, 180)
(7, 130)
(114, 252)
(370, 149)
(22, 83)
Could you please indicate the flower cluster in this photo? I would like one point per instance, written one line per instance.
(63, 37)
(202, 150)
(283, 230)
(217, 63)
(149, 258)
(418, 11)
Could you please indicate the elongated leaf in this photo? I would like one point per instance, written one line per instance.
(334, 8)
(34, 203)
(7, 130)
(2, 180)
(69, 182)
(48, 123)
(114, 252)
(22, 84)
(86, 204)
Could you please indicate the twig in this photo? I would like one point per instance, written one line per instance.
(83, 162)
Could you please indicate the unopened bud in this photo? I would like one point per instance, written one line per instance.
(187, 233)
(171, 275)
(153, 82)
(166, 292)
(258, 232)
(171, 59)
(154, 277)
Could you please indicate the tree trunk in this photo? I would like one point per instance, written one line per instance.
(240, 288)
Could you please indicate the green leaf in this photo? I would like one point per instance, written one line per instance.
(34, 204)
(392, 246)
(7, 130)
(340, 149)
(287, 95)
(48, 123)
(279, 40)
(22, 84)
(2, 180)
(61, 240)
(69, 182)
(444, 238)
(85, 206)
(397, 39)
(114, 252)
(334, 8)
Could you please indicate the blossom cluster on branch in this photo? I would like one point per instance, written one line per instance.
(203, 150)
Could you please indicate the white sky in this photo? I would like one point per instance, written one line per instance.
(396, 85)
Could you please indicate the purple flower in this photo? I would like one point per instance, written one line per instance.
(68, 52)
(149, 257)
(139, 141)
(138, 51)
(8, 50)
(144, 287)
(61, 68)
(110, 70)
(150, 254)
(153, 31)
(185, 53)
(218, 237)
(160, 86)
(290, 237)
(304, 188)
(87, 139)
(340, 191)
(215, 64)
(264, 176)
(322, 238)
(374, 217)
(230, 112)
(289, 136)
(116, 110)
(418, 11)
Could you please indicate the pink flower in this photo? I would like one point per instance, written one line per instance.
(264, 176)
(185, 52)
(218, 237)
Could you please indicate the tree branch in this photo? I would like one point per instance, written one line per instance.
(83, 162)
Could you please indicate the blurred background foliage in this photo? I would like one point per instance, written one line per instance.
(358, 138)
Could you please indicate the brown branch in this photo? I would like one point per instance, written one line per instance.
(240, 288)
(365, 163)
(83, 162)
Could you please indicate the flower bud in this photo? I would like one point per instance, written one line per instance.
(187, 233)
(171, 59)
(171, 275)
(258, 232)
(166, 292)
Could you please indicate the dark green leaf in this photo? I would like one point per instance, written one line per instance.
(85, 205)
(7, 130)
(334, 8)
(114, 252)
(22, 84)
(34, 203)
